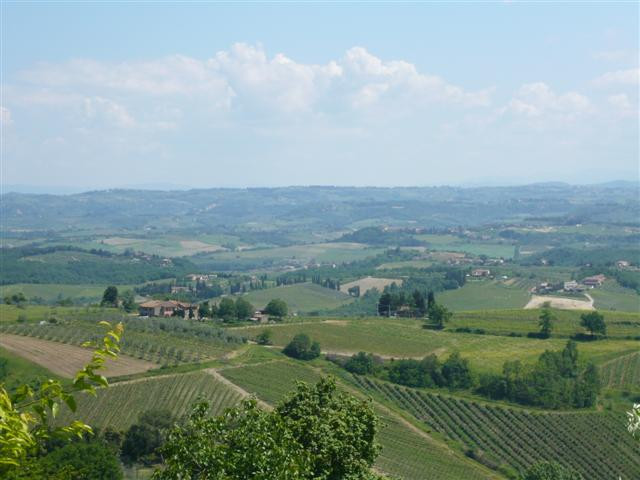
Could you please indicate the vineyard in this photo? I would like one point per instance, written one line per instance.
(120, 404)
(160, 346)
(406, 452)
(623, 372)
(595, 444)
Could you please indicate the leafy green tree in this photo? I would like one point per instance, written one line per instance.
(145, 436)
(546, 320)
(277, 308)
(315, 433)
(456, 372)
(77, 460)
(439, 315)
(550, 471)
(110, 297)
(244, 309)
(264, 337)
(361, 363)
(227, 309)
(25, 415)
(204, 311)
(419, 302)
(594, 322)
(15, 299)
(302, 348)
(128, 301)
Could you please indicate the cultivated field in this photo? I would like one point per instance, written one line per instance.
(508, 322)
(367, 283)
(396, 337)
(491, 431)
(562, 303)
(120, 405)
(622, 372)
(406, 451)
(484, 294)
(301, 297)
(66, 360)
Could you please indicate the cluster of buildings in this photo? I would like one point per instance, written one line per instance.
(168, 308)
(571, 286)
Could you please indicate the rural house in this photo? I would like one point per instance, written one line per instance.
(594, 281)
(481, 272)
(167, 308)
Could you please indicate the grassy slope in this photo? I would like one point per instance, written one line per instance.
(120, 405)
(10, 313)
(18, 370)
(568, 438)
(406, 338)
(405, 452)
(619, 324)
(301, 297)
(622, 372)
(477, 295)
(612, 296)
(51, 291)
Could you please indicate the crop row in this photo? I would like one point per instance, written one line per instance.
(622, 372)
(119, 405)
(161, 348)
(595, 444)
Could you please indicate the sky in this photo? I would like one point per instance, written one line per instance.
(103, 95)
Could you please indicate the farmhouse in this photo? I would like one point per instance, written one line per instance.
(572, 286)
(594, 281)
(260, 316)
(481, 272)
(167, 308)
(622, 264)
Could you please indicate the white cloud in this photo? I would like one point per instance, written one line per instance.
(245, 76)
(108, 111)
(620, 77)
(5, 116)
(620, 101)
(538, 99)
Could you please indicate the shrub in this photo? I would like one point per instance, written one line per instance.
(302, 348)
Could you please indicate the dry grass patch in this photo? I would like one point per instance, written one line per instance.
(368, 283)
(65, 360)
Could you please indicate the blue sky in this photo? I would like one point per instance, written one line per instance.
(100, 95)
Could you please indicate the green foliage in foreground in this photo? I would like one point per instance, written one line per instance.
(25, 414)
(316, 432)
(551, 471)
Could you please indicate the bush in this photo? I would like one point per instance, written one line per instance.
(264, 338)
(302, 348)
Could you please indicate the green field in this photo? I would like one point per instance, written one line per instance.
(52, 292)
(595, 444)
(119, 405)
(623, 372)
(318, 252)
(504, 322)
(17, 370)
(484, 294)
(301, 297)
(451, 243)
(400, 338)
(612, 296)
(10, 313)
(405, 452)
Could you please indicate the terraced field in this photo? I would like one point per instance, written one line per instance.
(406, 451)
(119, 405)
(622, 372)
(397, 337)
(595, 444)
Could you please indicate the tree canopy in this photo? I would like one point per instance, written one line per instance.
(316, 432)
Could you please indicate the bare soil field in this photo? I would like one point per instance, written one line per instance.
(65, 360)
(558, 302)
(367, 283)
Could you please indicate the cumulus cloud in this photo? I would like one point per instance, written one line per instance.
(246, 77)
(630, 76)
(109, 111)
(538, 99)
(5, 116)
